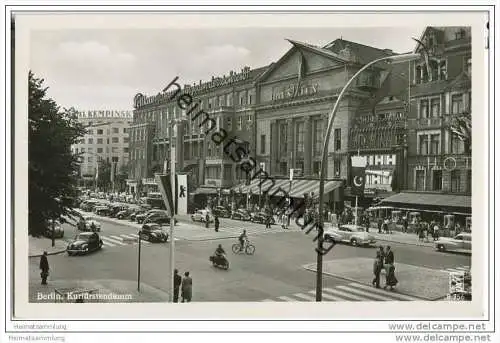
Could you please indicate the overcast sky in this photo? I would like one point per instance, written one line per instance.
(104, 69)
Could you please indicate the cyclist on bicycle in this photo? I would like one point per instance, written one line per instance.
(242, 239)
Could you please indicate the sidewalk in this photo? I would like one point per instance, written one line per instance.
(424, 283)
(402, 238)
(102, 291)
(36, 246)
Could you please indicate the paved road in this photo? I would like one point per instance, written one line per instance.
(274, 273)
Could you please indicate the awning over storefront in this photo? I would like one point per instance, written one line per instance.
(443, 201)
(282, 187)
(205, 190)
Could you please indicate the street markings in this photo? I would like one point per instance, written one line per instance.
(459, 270)
(351, 292)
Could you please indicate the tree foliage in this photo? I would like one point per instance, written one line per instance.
(53, 169)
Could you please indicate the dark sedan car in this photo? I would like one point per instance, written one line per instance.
(158, 218)
(222, 212)
(153, 233)
(261, 217)
(84, 243)
(241, 215)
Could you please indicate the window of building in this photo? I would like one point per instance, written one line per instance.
(242, 98)
(435, 140)
(316, 166)
(115, 159)
(99, 140)
(457, 104)
(418, 76)
(100, 131)
(90, 159)
(125, 140)
(229, 124)
(284, 168)
(82, 150)
(230, 99)
(424, 108)
(90, 141)
(249, 99)
(469, 181)
(300, 137)
(420, 180)
(435, 107)
(114, 149)
(457, 146)
(434, 66)
(283, 138)
(240, 123)
(124, 130)
(318, 137)
(116, 130)
(99, 150)
(337, 139)
(336, 168)
(437, 180)
(125, 150)
(460, 34)
(114, 140)
(107, 140)
(423, 144)
(455, 181)
(262, 144)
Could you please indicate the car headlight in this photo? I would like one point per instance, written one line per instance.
(85, 247)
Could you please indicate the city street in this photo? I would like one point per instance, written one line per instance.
(276, 272)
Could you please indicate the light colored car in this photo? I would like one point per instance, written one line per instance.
(460, 243)
(352, 234)
(201, 216)
(86, 224)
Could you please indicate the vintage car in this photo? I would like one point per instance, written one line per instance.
(87, 223)
(83, 243)
(153, 233)
(126, 213)
(222, 212)
(102, 210)
(352, 234)
(460, 243)
(260, 217)
(88, 205)
(201, 216)
(241, 215)
(140, 217)
(158, 218)
(58, 230)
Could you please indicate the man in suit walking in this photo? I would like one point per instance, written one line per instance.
(177, 285)
(44, 267)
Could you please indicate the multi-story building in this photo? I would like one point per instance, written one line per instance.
(396, 115)
(107, 138)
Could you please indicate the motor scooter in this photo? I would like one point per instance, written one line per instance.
(219, 261)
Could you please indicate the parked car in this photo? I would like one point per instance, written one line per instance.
(241, 215)
(140, 217)
(158, 218)
(222, 212)
(58, 230)
(89, 224)
(352, 234)
(126, 213)
(102, 210)
(84, 243)
(260, 217)
(153, 233)
(88, 205)
(201, 216)
(460, 243)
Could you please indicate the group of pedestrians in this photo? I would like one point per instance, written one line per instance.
(424, 230)
(384, 260)
(184, 285)
(383, 225)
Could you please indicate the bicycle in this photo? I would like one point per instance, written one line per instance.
(248, 248)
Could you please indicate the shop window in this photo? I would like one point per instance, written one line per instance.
(437, 180)
(99, 150)
(457, 104)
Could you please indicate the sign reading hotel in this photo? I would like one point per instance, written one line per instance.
(292, 91)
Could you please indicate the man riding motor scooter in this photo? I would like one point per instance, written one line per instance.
(220, 254)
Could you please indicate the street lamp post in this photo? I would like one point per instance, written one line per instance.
(331, 118)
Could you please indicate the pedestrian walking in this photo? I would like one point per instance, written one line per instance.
(378, 265)
(390, 276)
(207, 220)
(405, 225)
(177, 285)
(44, 267)
(268, 221)
(379, 225)
(284, 221)
(187, 288)
(435, 234)
(421, 233)
(386, 225)
(216, 223)
(389, 255)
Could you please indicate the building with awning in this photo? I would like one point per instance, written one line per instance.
(282, 187)
(450, 203)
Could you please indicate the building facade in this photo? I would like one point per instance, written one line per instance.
(398, 116)
(107, 139)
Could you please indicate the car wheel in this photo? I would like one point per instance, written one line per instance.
(354, 242)
(441, 248)
(100, 245)
(70, 253)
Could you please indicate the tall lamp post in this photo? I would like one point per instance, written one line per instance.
(331, 118)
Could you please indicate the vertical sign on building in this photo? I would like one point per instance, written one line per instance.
(358, 175)
(182, 193)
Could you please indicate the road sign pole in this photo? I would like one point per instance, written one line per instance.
(172, 222)
(139, 266)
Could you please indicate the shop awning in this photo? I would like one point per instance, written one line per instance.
(205, 190)
(429, 199)
(296, 189)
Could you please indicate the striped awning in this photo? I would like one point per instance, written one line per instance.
(281, 187)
